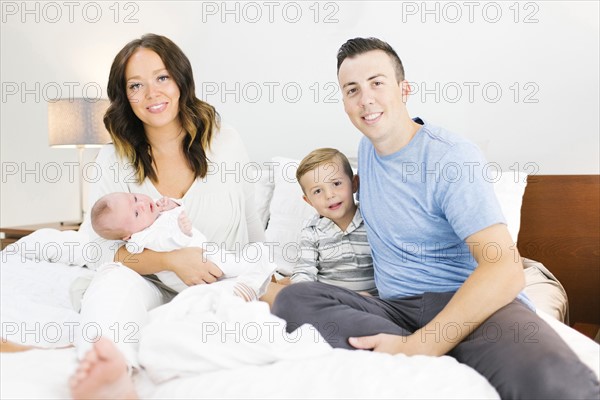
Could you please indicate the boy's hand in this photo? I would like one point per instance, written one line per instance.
(185, 224)
(285, 281)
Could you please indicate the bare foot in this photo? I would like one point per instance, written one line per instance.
(102, 374)
(10, 347)
(6, 346)
(244, 291)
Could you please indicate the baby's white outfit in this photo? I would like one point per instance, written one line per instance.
(251, 264)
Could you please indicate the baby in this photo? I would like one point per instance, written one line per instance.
(164, 226)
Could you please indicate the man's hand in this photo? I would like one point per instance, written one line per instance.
(392, 344)
(184, 224)
(191, 266)
(493, 284)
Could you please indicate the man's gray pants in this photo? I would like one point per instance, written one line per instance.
(517, 351)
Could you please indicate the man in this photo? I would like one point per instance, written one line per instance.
(446, 268)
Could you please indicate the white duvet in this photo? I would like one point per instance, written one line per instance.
(36, 309)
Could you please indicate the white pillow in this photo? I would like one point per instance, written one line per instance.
(510, 187)
(288, 214)
(263, 192)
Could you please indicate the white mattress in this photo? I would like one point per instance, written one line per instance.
(34, 298)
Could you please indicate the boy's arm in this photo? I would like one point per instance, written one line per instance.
(492, 285)
(306, 269)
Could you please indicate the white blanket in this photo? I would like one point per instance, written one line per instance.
(206, 329)
(35, 295)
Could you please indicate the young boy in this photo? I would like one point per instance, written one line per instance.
(164, 226)
(333, 245)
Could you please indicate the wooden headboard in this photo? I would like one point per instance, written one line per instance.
(560, 227)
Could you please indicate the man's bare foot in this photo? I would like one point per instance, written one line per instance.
(102, 374)
(10, 347)
(6, 346)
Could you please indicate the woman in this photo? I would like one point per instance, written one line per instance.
(169, 143)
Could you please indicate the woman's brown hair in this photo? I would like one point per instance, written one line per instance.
(198, 118)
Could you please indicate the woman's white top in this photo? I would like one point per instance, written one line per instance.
(220, 205)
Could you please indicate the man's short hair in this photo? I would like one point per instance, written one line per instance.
(357, 46)
(318, 157)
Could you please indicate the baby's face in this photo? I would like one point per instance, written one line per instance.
(133, 212)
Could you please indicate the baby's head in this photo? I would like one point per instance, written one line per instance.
(117, 216)
(328, 183)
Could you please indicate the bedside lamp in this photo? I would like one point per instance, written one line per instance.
(77, 123)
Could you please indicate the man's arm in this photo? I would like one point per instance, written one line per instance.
(496, 281)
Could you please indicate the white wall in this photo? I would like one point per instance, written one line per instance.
(552, 58)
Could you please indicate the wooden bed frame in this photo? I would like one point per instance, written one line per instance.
(560, 227)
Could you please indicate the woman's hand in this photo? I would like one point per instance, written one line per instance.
(192, 267)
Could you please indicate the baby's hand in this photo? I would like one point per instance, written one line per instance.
(166, 204)
(185, 224)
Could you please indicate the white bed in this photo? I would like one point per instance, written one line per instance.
(35, 308)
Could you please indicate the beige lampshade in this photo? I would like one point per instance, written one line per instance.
(77, 122)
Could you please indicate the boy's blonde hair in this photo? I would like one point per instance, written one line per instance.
(318, 157)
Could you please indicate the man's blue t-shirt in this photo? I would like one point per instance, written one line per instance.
(419, 205)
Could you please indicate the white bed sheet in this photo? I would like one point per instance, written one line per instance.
(35, 306)
(34, 295)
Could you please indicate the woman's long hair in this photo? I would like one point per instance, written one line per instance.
(198, 118)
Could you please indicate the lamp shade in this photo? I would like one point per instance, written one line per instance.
(77, 122)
